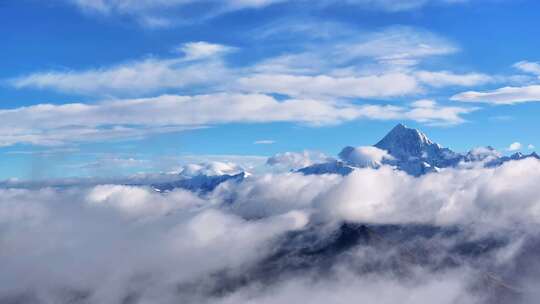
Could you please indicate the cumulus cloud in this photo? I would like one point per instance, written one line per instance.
(126, 238)
(515, 146)
(367, 156)
(530, 147)
(132, 242)
(451, 197)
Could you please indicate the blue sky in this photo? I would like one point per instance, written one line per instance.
(113, 87)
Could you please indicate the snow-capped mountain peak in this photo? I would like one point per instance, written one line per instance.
(410, 150)
(403, 143)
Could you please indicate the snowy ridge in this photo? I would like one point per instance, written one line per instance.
(410, 150)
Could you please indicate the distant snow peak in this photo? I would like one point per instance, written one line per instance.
(213, 168)
(403, 142)
(410, 150)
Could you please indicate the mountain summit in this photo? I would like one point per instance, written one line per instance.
(412, 151)
(415, 153)
(403, 142)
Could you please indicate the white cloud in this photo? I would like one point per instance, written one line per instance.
(126, 6)
(502, 96)
(430, 112)
(148, 75)
(514, 146)
(202, 49)
(358, 64)
(364, 53)
(296, 160)
(166, 13)
(528, 67)
(367, 156)
(400, 5)
(530, 147)
(264, 142)
(47, 124)
(107, 253)
(211, 168)
(155, 22)
(319, 81)
(162, 13)
(138, 202)
(446, 198)
(323, 86)
(163, 248)
(446, 78)
(398, 46)
(355, 65)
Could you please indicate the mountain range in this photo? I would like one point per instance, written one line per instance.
(403, 148)
(410, 150)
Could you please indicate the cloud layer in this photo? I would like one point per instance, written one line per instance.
(47, 124)
(108, 243)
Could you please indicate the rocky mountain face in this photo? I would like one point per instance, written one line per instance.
(412, 151)
(403, 148)
(200, 183)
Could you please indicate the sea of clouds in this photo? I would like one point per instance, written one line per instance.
(112, 243)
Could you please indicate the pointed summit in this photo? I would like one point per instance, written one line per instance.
(411, 151)
(403, 142)
(415, 153)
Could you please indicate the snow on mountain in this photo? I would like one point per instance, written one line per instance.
(214, 168)
(481, 154)
(409, 150)
(331, 167)
(204, 177)
(200, 183)
(403, 148)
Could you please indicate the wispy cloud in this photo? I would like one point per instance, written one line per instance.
(356, 64)
(502, 96)
(201, 64)
(528, 67)
(48, 124)
(446, 78)
(324, 86)
(166, 13)
(264, 142)
(295, 160)
(515, 146)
